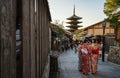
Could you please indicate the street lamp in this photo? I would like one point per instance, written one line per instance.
(103, 40)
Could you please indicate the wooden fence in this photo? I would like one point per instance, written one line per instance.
(35, 19)
(7, 39)
(109, 41)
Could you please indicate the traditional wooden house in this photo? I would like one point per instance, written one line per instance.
(33, 18)
(97, 29)
(54, 37)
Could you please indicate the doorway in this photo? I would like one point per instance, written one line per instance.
(19, 38)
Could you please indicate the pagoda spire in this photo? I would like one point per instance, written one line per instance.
(74, 21)
(74, 10)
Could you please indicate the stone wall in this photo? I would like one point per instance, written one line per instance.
(114, 54)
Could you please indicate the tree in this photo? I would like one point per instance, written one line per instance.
(58, 29)
(111, 6)
(118, 2)
(111, 9)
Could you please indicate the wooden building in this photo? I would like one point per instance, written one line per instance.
(33, 18)
(96, 29)
(118, 34)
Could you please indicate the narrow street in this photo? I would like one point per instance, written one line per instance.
(68, 66)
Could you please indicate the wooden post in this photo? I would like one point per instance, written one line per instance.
(7, 39)
(26, 38)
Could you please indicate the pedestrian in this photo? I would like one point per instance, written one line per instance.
(79, 55)
(95, 46)
(85, 53)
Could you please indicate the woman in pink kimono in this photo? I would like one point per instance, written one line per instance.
(85, 53)
(94, 56)
(80, 55)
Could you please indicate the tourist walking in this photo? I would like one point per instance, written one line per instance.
(85, 53)
(95, 46)
(80, 55)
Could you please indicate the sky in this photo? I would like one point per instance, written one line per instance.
(91, 11)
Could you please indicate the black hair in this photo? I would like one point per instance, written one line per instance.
(85, 41)
(95, 41)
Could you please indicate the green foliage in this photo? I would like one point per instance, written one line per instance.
(60, 31)
(110, 9)
(110, 6)
(113, 19)
(118, 2)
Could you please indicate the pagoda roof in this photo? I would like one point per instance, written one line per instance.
(74, 17)
(71, 30)
(74, 22)
(74, 26)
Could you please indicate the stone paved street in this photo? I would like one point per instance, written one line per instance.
(68, 66)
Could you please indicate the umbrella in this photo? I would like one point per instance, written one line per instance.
(65, 38)
(89, 35)
(82, 39)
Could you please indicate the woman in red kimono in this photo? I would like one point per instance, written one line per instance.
(85, 53)
(94, 56)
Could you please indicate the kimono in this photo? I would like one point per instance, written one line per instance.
(85, 59)
(79, 57)
(94, 59)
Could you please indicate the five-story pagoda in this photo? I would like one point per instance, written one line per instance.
(73, 22)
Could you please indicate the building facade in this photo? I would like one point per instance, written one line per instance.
(96, 29)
